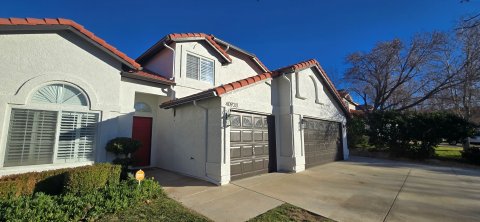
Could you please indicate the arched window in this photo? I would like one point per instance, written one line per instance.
(60, 94)
(52, 135)
(142, 107)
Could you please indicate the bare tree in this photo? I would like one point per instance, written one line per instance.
(398, 76)
(464, 98)
(471, 21)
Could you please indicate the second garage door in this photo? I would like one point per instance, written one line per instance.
(249, 150)
(322, 142)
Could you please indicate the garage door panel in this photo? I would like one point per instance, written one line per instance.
(258, 136)
(247, 151)
(235, 152)
(249, 144)
(321, 142)
(259, 164)
(247, 121)
(235, 168)
(235, 136)
(247, 166)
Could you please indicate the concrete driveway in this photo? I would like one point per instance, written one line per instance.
(361, 189)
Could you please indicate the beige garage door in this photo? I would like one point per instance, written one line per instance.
(322, 142)
(248, 145)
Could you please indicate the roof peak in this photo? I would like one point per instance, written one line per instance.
(213, 41)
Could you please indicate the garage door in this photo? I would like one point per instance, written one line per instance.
(248, 145)
(322, 142)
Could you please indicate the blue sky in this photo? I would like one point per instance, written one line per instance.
(279, 32)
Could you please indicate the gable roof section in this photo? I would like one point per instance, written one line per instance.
(69, 24)
(313, 63)
(209, 38)
(220, 90)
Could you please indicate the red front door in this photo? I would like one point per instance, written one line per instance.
(142, 131)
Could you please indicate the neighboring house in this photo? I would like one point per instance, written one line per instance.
(347, 99)
(199, 105)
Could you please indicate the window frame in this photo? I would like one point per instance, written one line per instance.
(199, 67)
(59, 108)
(83, 93)
(55, 162)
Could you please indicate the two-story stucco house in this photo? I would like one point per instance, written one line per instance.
(200, 106)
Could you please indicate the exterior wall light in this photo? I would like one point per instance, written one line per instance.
(227, 117)
(303, 123)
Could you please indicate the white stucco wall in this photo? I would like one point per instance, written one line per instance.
(311, 100)
(241, 66)
(31, 60)
(256, 98)
(192, 143)
(162, 63)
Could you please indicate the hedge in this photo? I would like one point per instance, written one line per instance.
(72, 207)
(60, 181)
(415, 135)
(87, 179)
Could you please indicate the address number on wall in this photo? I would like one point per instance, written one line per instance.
(232, 104)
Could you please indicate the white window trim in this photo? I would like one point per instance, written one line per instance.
(200, 67)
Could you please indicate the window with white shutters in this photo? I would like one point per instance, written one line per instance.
(206, 71)
(192, 66)
(76, 137)
(200, 69)
(51, 136)
(31, 137)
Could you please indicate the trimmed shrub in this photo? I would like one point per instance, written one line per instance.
(55, 181)
(123, 147)
(72, 207)
(89, 178)
(50, 182)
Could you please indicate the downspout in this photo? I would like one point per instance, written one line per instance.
(291, 112)
(206, 137)
(173, 68)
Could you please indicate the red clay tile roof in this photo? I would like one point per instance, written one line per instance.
(209, 38)
(218, 91)
(241, 83)
(76, 26)
(148, 76)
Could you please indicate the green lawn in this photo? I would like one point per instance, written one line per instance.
(288, 212)
(448, 152)
(161, 209)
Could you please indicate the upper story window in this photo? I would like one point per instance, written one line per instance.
(200, 69)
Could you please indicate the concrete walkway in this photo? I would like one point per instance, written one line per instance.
(361, 189)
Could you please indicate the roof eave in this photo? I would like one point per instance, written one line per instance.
(157, 47)
(146, 79)
(55, 27)
(189, 99)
